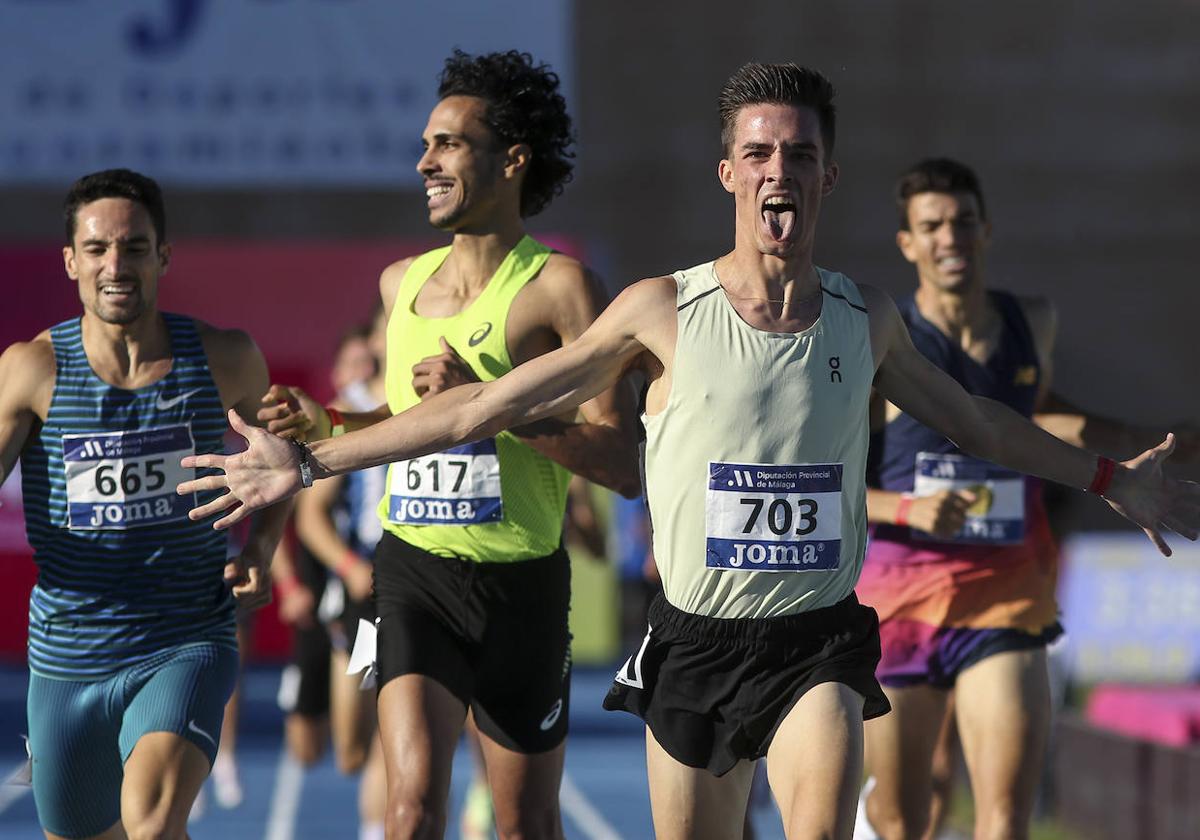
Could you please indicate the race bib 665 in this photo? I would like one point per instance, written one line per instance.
(773, 517)
(119, 480)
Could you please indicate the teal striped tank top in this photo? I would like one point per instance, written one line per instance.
(122, 572)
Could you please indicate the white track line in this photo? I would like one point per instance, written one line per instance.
(576, 806)
(285, 799)
(11, 792)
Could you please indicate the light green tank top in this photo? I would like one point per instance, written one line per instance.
(493, 501)
(755, 469)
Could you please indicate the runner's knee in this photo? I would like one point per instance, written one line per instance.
(412, 818)
(537, 823)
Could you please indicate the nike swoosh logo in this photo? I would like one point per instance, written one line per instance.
(480, 334)
(552, 718)
(163, 405)
(192, 727)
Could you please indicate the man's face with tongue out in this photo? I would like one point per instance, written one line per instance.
(777, 171)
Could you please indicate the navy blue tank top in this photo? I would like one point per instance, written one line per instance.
(1011, 375)
(122, 572)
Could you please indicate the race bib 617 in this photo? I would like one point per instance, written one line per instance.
(460, 486)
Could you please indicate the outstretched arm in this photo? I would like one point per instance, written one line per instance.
(992, 431)
(544, 387)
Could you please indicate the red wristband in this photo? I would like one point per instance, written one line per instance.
(349, 560)
(902, 507)
(1105, 467)
(337, 423)
(286, 586)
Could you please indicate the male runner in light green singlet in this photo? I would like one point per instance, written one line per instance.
(476, 532)
(759, 647)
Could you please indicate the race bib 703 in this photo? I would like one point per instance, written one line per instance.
(460, 486)
(773, 518)
(120, 480)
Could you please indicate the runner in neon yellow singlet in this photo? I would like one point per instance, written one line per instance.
(472, 585)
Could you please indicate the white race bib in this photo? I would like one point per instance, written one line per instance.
(460, 486)
(998, 515)
(120, 480)
(773, 518)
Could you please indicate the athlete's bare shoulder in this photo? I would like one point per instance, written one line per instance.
(27, 373)
(237, 365)
(565, 296)
(883, 319)
(389, 281)
(1042, 317)
(647, 311)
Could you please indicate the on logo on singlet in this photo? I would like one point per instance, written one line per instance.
(773, 517)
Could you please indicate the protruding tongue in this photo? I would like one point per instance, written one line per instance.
(780, 222)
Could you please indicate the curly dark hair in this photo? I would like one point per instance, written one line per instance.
(116, 183)
(523, 106)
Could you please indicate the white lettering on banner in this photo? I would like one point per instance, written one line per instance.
(773, 518)
(998, 515)
(118, 480)
(190, 91)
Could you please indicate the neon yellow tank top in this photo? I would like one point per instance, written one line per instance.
(493, 501)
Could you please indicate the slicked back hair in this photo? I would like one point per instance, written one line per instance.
(778, 84)
(940, 175)
(116, 183)
(523, 106)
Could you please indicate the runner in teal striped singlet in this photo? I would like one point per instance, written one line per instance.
(132, 651)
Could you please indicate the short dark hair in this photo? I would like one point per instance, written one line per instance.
(941, 175)
(778, 84)
(523, 106)
(116, 183)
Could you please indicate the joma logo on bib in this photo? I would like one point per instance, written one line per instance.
(791, 555)
(408, 509)
(130, 513)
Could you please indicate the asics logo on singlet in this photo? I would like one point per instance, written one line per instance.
(163, 405)
(835, 375)
(480, 334)
(552, 718)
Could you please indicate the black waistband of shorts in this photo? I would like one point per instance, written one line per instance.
(664, 616)
(392, 548)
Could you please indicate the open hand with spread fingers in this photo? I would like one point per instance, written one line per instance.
(1144, 495)
(266, 473)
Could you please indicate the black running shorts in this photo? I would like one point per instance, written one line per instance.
(494, 634)
(715, 690)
